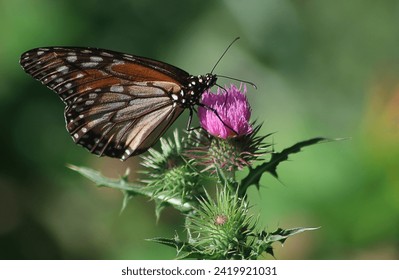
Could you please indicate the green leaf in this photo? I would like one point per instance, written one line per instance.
(129, 189)
(266, 239)
(282, 234)
(255, 174)
(102, 181)
(171, 242)
(184, 250)
(126, 198)
(159, 206)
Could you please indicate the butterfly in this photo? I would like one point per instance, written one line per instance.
(117, 104)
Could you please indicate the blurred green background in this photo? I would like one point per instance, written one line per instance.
(323, 68)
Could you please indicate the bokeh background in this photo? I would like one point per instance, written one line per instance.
(323, 68)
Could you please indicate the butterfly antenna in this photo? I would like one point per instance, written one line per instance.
(239, 80)
(225, 51)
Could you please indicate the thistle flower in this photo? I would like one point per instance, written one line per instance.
(233, 112)
(232, 141)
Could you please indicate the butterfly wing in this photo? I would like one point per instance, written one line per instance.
(117, 105)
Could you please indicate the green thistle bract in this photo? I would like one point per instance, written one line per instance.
(229, 154)
(168, 174)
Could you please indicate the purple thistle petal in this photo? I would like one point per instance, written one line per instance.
(233, 108)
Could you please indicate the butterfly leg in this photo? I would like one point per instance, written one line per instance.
(190, 118)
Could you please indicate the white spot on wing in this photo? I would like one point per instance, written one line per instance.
(118, 61)
(106, 54)
(72, 58)
(96, 58)
(115, 88)
(63, 69)
(89, 64)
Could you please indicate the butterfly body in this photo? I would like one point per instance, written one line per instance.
(117, 104)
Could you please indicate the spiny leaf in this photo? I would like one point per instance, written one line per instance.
(282, 234)
(102, 181)
(255, 174)
(126, 198)
(128, 189)
(171, 242)
(159, 207)
(184, 250)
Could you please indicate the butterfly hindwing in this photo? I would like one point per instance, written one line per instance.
(106, 122)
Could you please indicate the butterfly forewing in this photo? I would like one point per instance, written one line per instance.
(116, 104)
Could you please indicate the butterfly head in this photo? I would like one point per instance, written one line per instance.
(210, 80)
(196, 86)
(201, 83)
